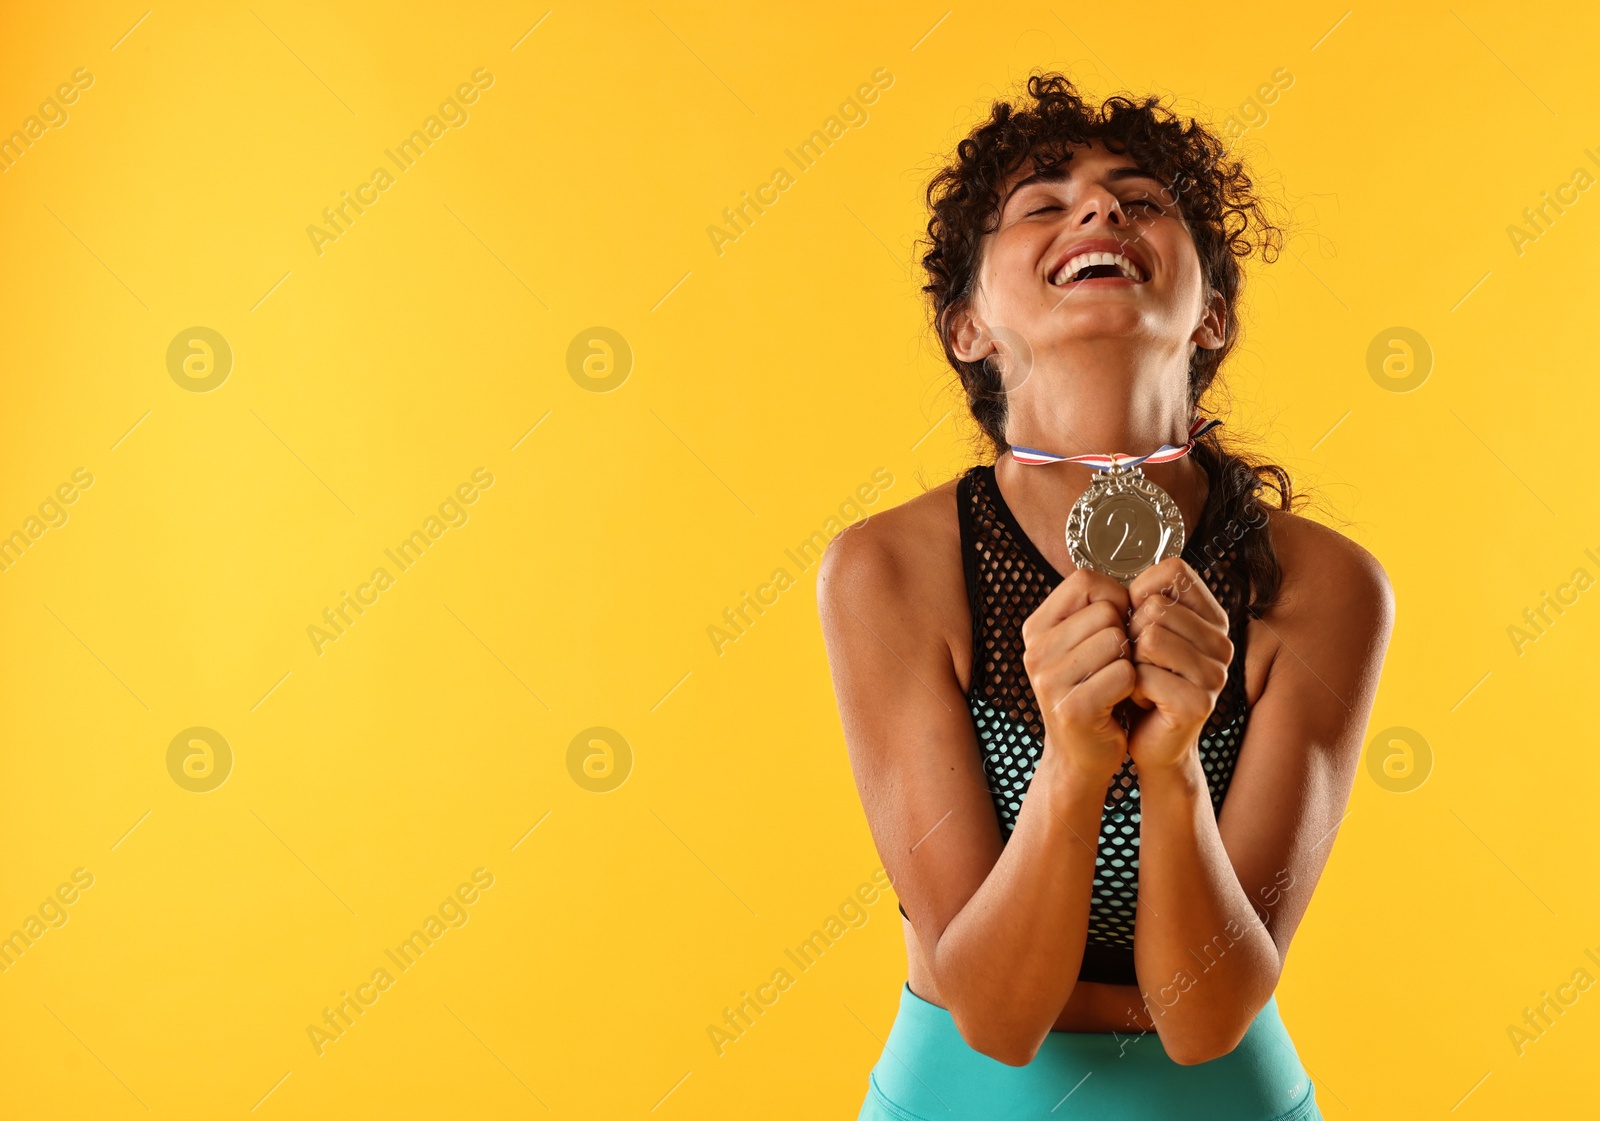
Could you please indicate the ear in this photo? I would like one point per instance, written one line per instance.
(1213, 329)
(969, 339)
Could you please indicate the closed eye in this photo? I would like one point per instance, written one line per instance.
(1148, 202)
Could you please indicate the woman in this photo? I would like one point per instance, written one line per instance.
(1103, 806)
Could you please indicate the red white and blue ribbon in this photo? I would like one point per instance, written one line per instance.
(1166, 453)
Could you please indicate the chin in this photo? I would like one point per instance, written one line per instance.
(1099, 319)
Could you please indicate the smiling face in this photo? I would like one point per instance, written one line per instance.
(1094, 251)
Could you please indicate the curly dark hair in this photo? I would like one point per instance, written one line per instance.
(1227, 219)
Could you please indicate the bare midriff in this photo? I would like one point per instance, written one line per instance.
(1092, 1007)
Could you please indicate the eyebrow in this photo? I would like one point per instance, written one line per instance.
(1063, 171)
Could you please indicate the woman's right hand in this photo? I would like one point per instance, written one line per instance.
(1076, 656)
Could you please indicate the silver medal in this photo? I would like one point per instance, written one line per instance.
(1122, 524)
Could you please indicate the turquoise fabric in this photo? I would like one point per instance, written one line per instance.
(929, 1073)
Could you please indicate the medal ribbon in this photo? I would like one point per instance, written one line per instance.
(1164, 454)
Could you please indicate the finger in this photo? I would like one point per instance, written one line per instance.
(1098, 693)
(1175, 579)
(1080, 588)
(1060, 676)
(1207, 637)
(1180, 699)
(1158, 646)
(1048, 643)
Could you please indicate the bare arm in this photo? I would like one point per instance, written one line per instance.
(1219, 902)
(1002, 926)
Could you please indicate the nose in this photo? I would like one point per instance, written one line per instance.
(1097, 202)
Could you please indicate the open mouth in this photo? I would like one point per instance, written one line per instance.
(1098, 266)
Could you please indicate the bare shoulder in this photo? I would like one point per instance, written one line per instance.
(891, 544)
(1335, 607)
(1326, 574)
(901, 567)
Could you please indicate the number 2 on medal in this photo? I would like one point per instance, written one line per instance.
(1127, 528)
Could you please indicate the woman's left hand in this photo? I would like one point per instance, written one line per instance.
(1181, 654)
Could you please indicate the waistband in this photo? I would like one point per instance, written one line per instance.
(928, 1071)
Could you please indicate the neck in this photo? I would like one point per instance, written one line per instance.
(1102, 402)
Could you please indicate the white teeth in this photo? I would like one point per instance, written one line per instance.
(1084, 260)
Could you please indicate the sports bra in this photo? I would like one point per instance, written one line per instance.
(1007, 577)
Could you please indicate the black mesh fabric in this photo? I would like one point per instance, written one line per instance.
(1007, 578)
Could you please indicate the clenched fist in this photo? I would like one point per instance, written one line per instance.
(1077, 657)
(1181, 653)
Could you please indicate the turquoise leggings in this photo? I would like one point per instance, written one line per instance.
(929, 1073)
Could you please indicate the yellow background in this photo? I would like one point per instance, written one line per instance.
(767, 383)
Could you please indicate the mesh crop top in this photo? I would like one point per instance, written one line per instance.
(1007, 578)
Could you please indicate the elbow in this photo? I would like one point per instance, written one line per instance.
(1193, 1052)
(1012, 1055)
(1001, 1045)
(1192, 1056)
(1207, 1040)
